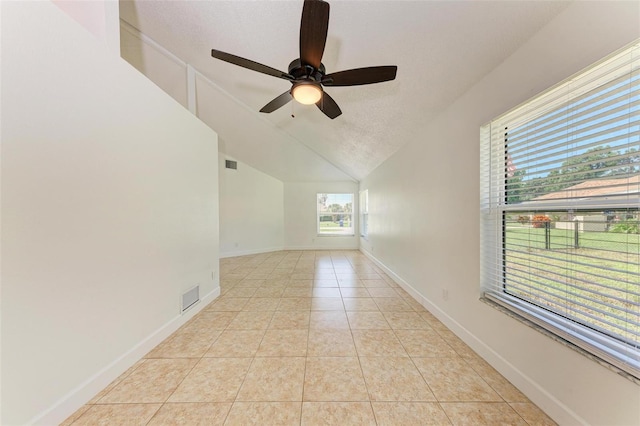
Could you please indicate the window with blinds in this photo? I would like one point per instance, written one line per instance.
(364, 213)
(560, 208)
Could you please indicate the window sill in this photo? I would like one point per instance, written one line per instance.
(560, 340)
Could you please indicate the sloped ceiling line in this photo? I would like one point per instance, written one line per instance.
(203, 78)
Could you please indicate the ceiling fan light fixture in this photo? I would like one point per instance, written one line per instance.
(306, 93)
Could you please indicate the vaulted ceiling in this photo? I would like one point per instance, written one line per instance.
(441, 48)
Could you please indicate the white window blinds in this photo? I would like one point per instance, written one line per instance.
(560, 200)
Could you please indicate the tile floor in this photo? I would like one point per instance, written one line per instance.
(310, 338)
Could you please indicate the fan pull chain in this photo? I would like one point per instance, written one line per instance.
(292, 110)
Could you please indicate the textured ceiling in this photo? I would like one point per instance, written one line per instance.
(441, 48)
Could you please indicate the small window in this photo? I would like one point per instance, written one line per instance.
(335, 214)
(364, 213)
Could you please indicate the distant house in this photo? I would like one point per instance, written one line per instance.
(597, 189)
(594, 190)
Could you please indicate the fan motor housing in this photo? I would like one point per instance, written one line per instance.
(299, 71)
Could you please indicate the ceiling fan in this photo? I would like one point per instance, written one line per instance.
(307, 74)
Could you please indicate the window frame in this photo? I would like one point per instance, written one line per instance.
(364, 214)
(351, 229)
(495, 206)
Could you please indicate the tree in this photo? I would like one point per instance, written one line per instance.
(600, 162)
(516, 187)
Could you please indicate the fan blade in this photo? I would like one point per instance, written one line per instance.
(360, 76)
(246, 63)
(278, 102)
(313, 32)
(328, 106)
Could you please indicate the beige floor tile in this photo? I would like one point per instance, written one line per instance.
(434, 322)
(281, 283)
(405, 321)
(289, 320)
(209, 320)
(374, 284)
(153, 381)
(368, 274)
(452, 379)
(298, 292)
(184, 345)
(295, 304)
(355, 292)
(268, 344)
(264, 414)
(213, 380)
(413, 303)
(262, 304)
(302, 276)
(392, 304)
(532, 414)
(327, 342)
(113, 384)
(327, 282)
(334, 379)
(191, 414)
(482, 413)
(457, 344)
(304, 283)
(235, 276)
(327, 292)
(377, 343)
(236, 344)
(425, 343)
(501, 385)
(409, 413)
(327, 303)
(346, 281)
(360, 303)
(259, 275)
(251, 282)
(228, 304)
(269, 291)
(283, 343)
(241, 292)
(394, 379)
(72, 418)
(251, 320)
(360, 320)
(337, 413)
(273, 379)
(117, 414)
(383, 292)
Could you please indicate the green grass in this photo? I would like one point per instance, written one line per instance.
(603, 274)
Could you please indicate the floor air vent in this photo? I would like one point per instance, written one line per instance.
(230, 164)
(190, 298)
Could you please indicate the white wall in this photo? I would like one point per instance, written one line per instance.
(300, 216)
(109, 213)
(423, 219)
(251, 210)
(100, 17)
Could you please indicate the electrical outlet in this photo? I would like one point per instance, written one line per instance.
(445, 294)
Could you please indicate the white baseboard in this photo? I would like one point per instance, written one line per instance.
(249, 252)
(75, 399)
(536, 393)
